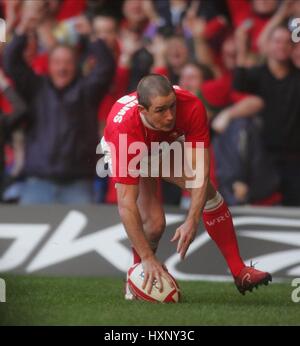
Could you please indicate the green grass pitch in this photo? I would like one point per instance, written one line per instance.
(99, 301)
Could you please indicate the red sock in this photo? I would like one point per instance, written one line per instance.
(219, 226)
(136, 257)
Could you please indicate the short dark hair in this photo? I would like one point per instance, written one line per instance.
(151, 86)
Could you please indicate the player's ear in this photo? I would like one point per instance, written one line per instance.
(141, 109)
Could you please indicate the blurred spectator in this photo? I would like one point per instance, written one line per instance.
(252, 16)
(278, 83)
(62, 118)
(8, 122)
(14, 178)
(10, 11)
(135, 18)
(240, 167)
(285, 14)
(222, 64)
(193, 75)
(106, 28)
(243, 170)
(197, 44)
(173, 12)
(177, 56)
(96, 7)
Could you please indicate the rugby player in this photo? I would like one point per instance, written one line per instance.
(160, 112)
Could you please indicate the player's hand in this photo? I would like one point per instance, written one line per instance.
(153, 271)
(185, 234)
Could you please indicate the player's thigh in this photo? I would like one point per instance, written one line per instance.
(182, 180)
(149, 204)
(171, 167)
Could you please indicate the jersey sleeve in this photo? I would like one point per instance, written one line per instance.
(198, 126)
(122, 171)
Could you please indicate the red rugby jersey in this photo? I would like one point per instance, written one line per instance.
(124, 118)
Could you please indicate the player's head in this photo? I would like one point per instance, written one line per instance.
(157, 101)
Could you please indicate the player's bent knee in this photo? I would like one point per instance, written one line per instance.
(155, 228)
(214, 202)
(211, 191)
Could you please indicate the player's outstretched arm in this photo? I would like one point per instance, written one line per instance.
(130, 216)
(186, 233)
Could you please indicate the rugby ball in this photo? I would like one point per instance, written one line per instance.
(135, 278)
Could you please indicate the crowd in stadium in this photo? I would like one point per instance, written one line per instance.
(66, 62)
